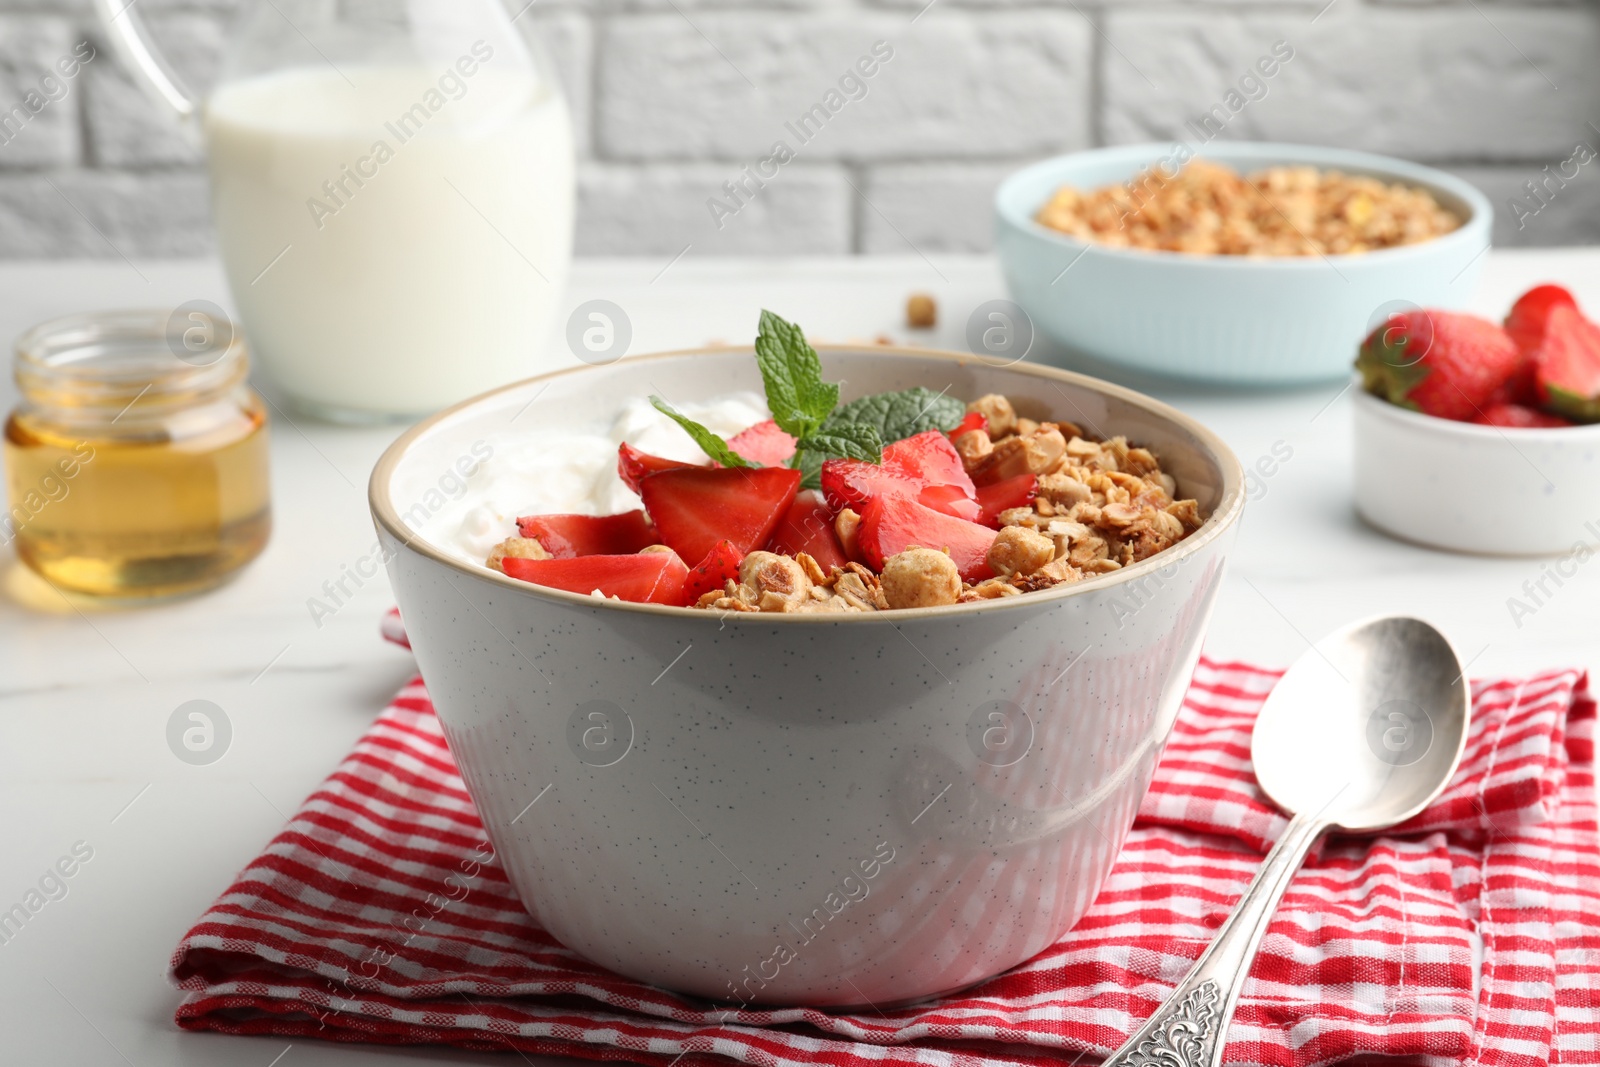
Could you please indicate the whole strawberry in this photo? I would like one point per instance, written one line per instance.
(1521, 417)
(1440, 363)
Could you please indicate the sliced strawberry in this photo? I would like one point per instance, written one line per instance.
(714, 572)
(808, 527)
(1526, 320)
(1520, 417)
(643, 578)
(1567, 371)
(890, 525)
(1016, 492)
(925, 467)
(568, 536)
(764, 444)
(931, 458)
(633, 465)
(850, 483)
(1525, 324)
(975, 420)
(950, 499)
(695, 508)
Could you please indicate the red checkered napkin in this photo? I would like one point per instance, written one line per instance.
(380, 915)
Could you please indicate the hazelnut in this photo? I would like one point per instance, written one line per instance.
(516, 548)
(920, 578)
(974, 447)
(1019, 550)
(998, 411)
(1035, 452)
(1046, 446)
(779, 582)
(847, 524)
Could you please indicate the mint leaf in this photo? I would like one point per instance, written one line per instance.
(806, 407)
(850, 440)
(792, 372)
(810, 466)
(709, 443)
(897, 416)
(847, 441)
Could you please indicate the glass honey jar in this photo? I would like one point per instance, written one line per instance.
(136, 461)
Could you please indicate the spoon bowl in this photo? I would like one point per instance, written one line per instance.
(1368, 728)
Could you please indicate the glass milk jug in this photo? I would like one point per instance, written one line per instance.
(392, 186)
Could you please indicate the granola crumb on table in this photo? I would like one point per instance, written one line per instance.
(1101, 506)
(922, 313)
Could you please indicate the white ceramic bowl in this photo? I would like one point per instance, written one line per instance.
(1263, 321)
(1471, 488)
(815, 810)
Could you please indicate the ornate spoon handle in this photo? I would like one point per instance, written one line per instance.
(1189, 1027)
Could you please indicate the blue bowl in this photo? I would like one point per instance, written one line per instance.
(1277, 320)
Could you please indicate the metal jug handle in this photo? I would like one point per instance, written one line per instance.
(131, 41)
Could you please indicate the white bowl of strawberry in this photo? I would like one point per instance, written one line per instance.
(1482, 437)
(888, 655)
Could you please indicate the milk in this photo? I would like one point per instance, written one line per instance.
(396, 238)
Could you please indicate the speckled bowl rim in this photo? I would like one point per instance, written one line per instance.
(1360, 163)
(1226, 512)
(1376, 406)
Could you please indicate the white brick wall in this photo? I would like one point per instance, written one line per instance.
(673, 98)
(1436, 83)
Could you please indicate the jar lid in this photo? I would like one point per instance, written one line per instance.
(104, 363)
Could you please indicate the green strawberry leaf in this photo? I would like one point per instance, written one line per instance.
(1387, 368)
(1571, 404)
(709, 443)
(792, 372)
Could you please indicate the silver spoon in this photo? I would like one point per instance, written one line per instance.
(1361, 734)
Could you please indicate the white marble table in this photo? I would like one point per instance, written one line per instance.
(85, 694)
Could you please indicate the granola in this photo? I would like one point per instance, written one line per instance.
(924, 501)
(1100, 506)
(1210, 209)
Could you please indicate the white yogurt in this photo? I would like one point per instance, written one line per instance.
(570, 470)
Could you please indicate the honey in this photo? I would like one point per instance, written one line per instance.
(137, 463)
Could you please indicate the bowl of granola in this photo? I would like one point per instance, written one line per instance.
(817, 678)
(1249, 263)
